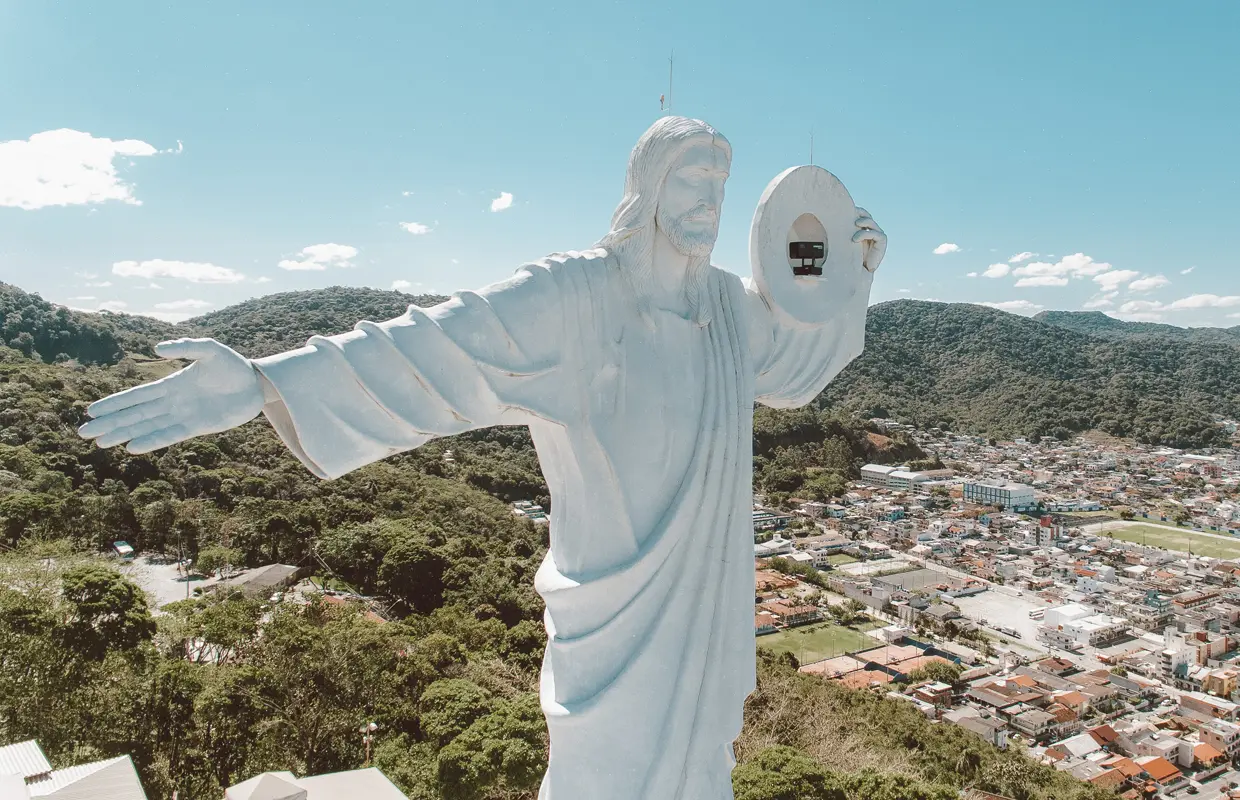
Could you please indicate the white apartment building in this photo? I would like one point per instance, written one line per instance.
(1007, 495)
(1222, 735)
(1074, 626)
(887, 477)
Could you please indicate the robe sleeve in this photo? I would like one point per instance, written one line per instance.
(484, 358)
(792, 365)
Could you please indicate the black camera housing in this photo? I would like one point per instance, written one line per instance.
(807, 253)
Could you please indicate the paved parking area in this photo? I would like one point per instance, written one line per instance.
(163, 579)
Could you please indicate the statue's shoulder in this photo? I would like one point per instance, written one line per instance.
(570, 262)
(574, 271)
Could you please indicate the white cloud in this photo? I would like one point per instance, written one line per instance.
(192, 271)
(502, 202)
(406, 193)
(1041, 280)
(417, 228)
(183, 305)
(1187, 270)
(319, 257)
(904, 291)
(1148, 284)
(1015, 306)
(83, 298)
(1101, 300)
(66, 168)
(996, 271)
(99, 284)
(1110, 281)
(1204, 301)
(970, 275)
(1191, 303)
(1077, 265)
(945, 248)
(1019, 257)
(263, 279)
(404, 286)
(113, 305)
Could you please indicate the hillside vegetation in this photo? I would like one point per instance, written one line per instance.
(977, 370)
(1095, 323)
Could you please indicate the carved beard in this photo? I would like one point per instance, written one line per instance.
(690, 242)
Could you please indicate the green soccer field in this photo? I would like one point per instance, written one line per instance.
(810, 643)
(1184, 541)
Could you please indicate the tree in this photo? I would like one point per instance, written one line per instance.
(217, 559)
(448, 707)
(503, 752)
(941, 671)
(108, 612)
(783, 773)
(412, 571)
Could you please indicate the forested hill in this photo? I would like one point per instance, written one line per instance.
(976, 369)
(1095, 323)
(971, 368)
(267, 325)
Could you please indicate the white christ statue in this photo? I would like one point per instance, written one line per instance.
(635, 365)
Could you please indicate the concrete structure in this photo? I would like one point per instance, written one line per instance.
(636, 365)
(1074, 626)
(1008, 495)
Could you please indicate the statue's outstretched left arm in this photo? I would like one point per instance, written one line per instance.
(794, 363)
(483, 358)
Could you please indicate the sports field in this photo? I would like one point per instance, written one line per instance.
(810, 643)
(1185, 541)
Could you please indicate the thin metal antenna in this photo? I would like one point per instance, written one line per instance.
(811, 147)
(671, 63)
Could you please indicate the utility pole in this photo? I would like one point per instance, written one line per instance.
(368, 736)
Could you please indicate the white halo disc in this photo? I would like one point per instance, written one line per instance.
(803, 204)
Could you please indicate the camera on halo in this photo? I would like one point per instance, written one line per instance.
(807, 253)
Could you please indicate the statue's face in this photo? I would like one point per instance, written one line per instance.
(692, 195)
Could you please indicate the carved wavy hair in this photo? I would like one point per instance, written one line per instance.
(633, 225)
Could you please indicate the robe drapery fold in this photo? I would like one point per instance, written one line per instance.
(649, 579)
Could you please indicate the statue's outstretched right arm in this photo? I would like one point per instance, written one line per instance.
(480, 359)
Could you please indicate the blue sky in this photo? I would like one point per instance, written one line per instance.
(173, 157)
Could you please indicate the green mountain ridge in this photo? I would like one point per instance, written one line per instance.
(1096, 323)
(978, 370)
(970, 368)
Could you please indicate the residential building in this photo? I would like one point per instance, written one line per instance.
(370, 784)
(1222, 735)
(1074, 626)
(109, 779)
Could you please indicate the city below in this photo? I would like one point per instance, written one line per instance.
(1077, 598)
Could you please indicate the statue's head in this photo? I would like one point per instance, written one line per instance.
(674, 185)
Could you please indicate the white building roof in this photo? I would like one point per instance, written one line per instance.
(25, 759)
(878, 468)
(113, 779)
(358, 784)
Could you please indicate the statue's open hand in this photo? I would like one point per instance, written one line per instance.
(875, 246)
(220, 390)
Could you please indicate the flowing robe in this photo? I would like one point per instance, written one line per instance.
(643, 427)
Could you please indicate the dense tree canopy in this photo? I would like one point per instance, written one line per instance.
(978, 370)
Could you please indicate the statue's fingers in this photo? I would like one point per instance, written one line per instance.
(190, 349)
(867, 223)
(868, 236)
(137, 429)
(130, 397)
(126, 416)
(861, 212)
(157, 439)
